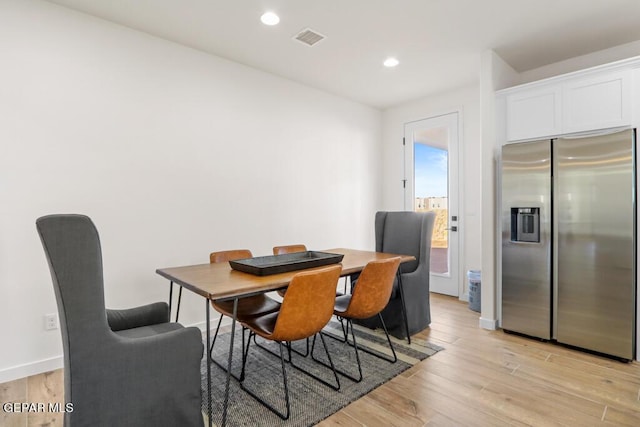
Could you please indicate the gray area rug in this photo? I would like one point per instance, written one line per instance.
(311, 401)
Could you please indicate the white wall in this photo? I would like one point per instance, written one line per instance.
(172, 152)
(466, 101)
(494, 74)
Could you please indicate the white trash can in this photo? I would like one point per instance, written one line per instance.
(474, 289)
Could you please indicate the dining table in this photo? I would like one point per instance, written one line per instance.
(218, 281)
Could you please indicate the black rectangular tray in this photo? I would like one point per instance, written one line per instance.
(274, 264)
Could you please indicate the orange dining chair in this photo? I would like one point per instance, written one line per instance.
(306, 308)
(248, 307)
(370, 295)
(289, 249)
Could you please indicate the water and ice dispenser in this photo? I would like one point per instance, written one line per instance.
(525, 225)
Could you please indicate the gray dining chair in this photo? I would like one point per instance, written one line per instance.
(121, 367)
(406, 233)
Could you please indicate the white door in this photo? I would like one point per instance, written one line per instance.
(431, 184)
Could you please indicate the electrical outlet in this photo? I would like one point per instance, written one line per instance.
(50, 322)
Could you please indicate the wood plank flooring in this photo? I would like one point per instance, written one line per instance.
(43, 388)
(489, 378)
(482, 378)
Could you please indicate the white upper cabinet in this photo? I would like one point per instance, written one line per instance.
(590, 100)
(597, 102)
(534, 113)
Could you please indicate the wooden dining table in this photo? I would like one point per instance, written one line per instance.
(218, 281)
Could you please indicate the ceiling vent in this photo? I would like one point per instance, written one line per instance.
(309, 37)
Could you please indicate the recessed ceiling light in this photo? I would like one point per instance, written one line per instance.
(270, 18)
(391, 62)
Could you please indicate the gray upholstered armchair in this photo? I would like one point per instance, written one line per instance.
(121, 367)
(407, 233)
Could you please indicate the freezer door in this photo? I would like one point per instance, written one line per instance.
(595, 226)
(526, 253)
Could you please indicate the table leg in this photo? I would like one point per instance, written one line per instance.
(404, 307)
(179, 299)
(170, 296)
(209, 412)
(233, 331)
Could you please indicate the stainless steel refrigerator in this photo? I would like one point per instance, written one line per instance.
(568, 241)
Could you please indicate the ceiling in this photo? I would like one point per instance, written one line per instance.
(438, 42)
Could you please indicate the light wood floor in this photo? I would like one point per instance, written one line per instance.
(43, 388)
(482, 378)
(489, 378)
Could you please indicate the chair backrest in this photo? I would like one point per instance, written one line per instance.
(231, 255)
(373, 289)
(406, 233)
(308, 304)
(72, 247)
(288, 249)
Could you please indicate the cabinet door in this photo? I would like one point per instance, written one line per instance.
(597, 102)
(534, 113)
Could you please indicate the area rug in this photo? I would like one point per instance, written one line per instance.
(311, 401)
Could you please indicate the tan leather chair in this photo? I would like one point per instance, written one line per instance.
(370, 296)
(248, 307)
(307, 307)
(289, 249)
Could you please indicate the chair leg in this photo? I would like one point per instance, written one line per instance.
(178, 306)
(404, 307)
(245, 353)
(214, 337)
(224, 368)
(286, 388)
(345, 331)
(393, 359)
(355, 346)
(285, 415)
(305, 354)
(343, 373)
(315, 377)
(290, 349)
(170, 297)
(333, 368)
(376, 354)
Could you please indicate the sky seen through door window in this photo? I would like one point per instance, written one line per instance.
(430, 171)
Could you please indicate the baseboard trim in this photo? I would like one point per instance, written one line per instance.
(29, 369)
(490, 324)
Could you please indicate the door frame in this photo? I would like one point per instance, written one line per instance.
(455, 180)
